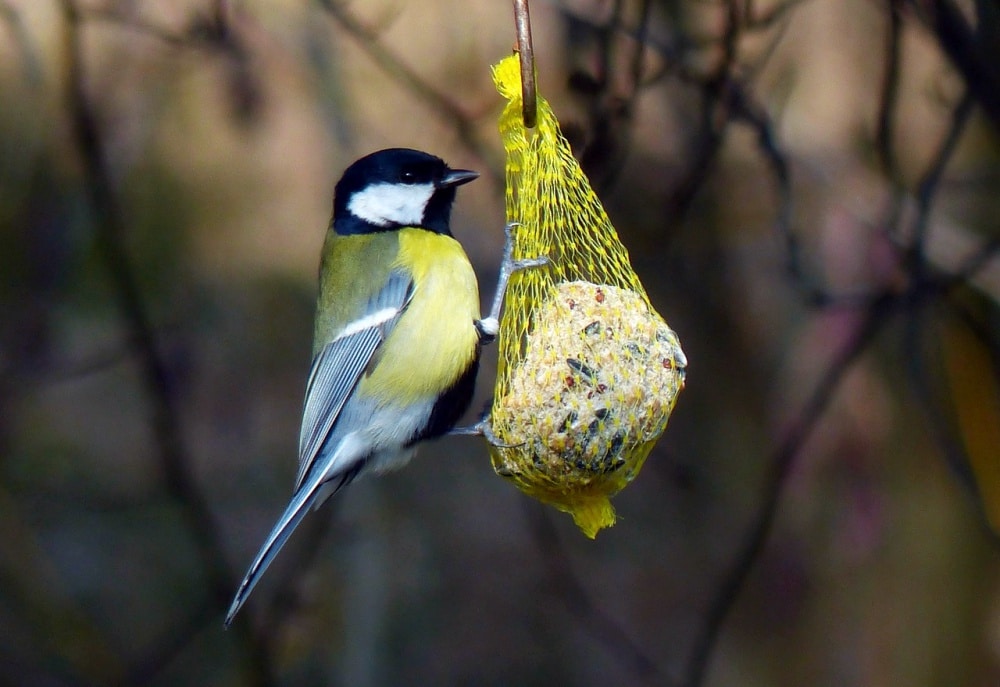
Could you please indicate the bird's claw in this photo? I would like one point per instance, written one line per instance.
(484, 429)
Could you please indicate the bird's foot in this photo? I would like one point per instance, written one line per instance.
(489, 326)
(484, 429)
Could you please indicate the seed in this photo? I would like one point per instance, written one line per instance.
(583, 370)
(615, 448)
(593, 428)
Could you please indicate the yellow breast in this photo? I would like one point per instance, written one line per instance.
(435, 340)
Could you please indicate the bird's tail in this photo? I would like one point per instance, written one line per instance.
(289, 520)
(313, 492)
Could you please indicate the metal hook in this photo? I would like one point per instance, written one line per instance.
(526, 53)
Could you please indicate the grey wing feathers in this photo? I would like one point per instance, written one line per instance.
(332, 380)
(338, 367)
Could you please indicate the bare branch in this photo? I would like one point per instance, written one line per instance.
(942, 432)
(931, 179)
(399, 71)
(771, 16)
(32, 63)
(753, 541)
(564, 582)
(138, 24)
(889, 94)
(110, 227)
(968, 50)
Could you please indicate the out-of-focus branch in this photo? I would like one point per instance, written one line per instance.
(400, 72)
(943, 255)
(212, 33)
(142, 26)
(715, 114)
(969, 48)
(769, 17)
(110, 230)
(878, 313)
(889, 93)
(928, 397)
(286, 599)
(747, 111)
(564, 583)
(925, 286)
(32, 65)
(33, 588)
(753, 541)
(638, 54)
(170, 643)
(602, 143)
(931, 179)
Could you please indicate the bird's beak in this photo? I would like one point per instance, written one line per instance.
(457, 177)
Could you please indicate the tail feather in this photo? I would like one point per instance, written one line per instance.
(289, 520)
(312, 494)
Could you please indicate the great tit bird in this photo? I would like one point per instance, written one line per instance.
(397, 333)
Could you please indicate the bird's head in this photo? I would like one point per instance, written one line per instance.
(396, 188)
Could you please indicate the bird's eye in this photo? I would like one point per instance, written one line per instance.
(408, 177)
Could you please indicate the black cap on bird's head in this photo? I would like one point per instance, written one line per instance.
(396, 188)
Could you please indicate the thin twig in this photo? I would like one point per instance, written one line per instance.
(747, 111)
(110, 228)
(925, 287)
(931, 179)
(889, 94)
(636, 68)
(715, 111)
(401, 72)
(170, 643)
(971, 53)
(941, 431)
(141, 26)
(32, 63)
(769, 17)
(32, 587)
(285, 599)
(753, 541)
(610, 111)
(608, 631)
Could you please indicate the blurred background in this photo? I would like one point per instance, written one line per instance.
(810, 192)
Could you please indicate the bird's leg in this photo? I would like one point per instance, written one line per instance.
(489, 326)
(484, 429)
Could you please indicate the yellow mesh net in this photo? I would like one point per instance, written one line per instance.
(588, 371)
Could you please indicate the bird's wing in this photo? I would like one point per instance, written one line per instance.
(333, 378)
(339, 366)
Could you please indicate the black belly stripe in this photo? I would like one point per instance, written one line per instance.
(450, 406)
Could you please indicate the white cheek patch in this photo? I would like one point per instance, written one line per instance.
(385, 204)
